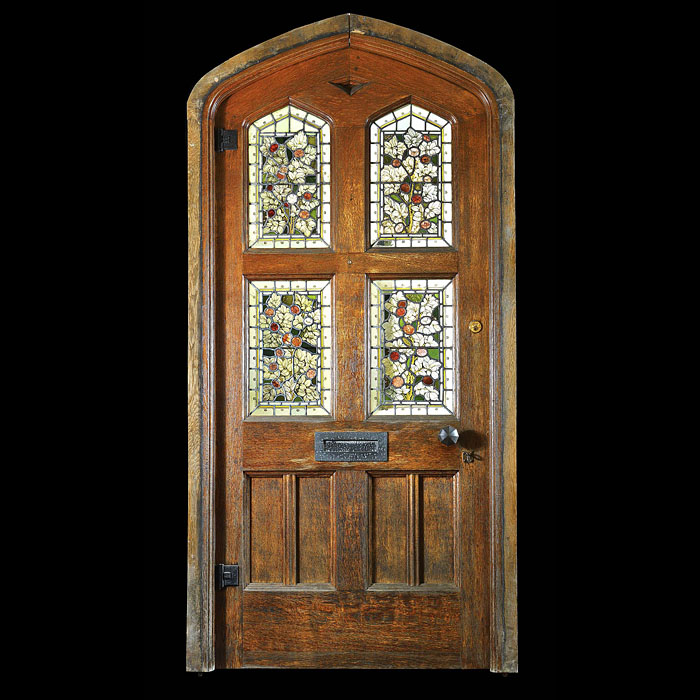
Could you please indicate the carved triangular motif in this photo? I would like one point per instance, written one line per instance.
(349, 85)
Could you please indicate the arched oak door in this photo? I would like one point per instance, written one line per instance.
(350, 189)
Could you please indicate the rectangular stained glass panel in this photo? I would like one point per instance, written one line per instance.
(411, 179)
(289, 348)
(412, 345)
(289, 181)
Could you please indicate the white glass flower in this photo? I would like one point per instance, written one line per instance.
(298, 170)
(397, 211)
(301, 149)
(306, 390)
(283, 316)
(424, 340)
(412, 138)
(426, 366)
(430, 192)
(428, 392)
(393, 173)
(392, 303)
(394, 147)
(392, 329)
(423, 171)
(429, 148)
(305, 225)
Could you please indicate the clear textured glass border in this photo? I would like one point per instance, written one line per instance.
(282, 123)
(257, 405)
(380, 347)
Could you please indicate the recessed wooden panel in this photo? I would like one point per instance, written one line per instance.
(314, 529)
(437, 529)
(266, 529)
(389, 522)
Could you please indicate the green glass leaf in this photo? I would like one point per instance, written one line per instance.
(434, 353)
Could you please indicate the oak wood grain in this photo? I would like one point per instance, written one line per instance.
(397, 62)
(315, 528)
(390, 536)
(370, 627)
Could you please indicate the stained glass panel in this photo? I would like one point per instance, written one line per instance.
(289, 181)
(289, 346)
(411, 179)
(412, 345)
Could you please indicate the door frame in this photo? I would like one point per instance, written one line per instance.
(207, 94)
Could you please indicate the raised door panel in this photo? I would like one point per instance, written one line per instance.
(315, 521)
(413, 530)
(291, 526)
(389, 535)
(267, 530)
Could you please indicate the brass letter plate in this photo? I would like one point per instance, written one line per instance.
(351, 447)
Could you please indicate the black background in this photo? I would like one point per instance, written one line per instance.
(183, 42)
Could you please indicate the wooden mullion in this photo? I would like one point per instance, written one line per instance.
(349, 375)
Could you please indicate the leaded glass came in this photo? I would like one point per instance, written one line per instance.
(289, 181)
(289, 346)
(411, 179)
(412, 369)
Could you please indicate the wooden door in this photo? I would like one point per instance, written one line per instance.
(353, 227)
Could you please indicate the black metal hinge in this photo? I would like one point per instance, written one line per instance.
(225, 140)
(226, 575)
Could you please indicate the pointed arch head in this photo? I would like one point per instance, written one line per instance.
(354, 24)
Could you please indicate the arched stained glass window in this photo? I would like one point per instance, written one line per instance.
(411, 179)
(289, 181)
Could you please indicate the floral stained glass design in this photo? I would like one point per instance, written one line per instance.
(412, 370)
(289, 181)
(289, 346)
(411, 179)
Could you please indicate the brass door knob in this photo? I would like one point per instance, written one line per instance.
(448, 435)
